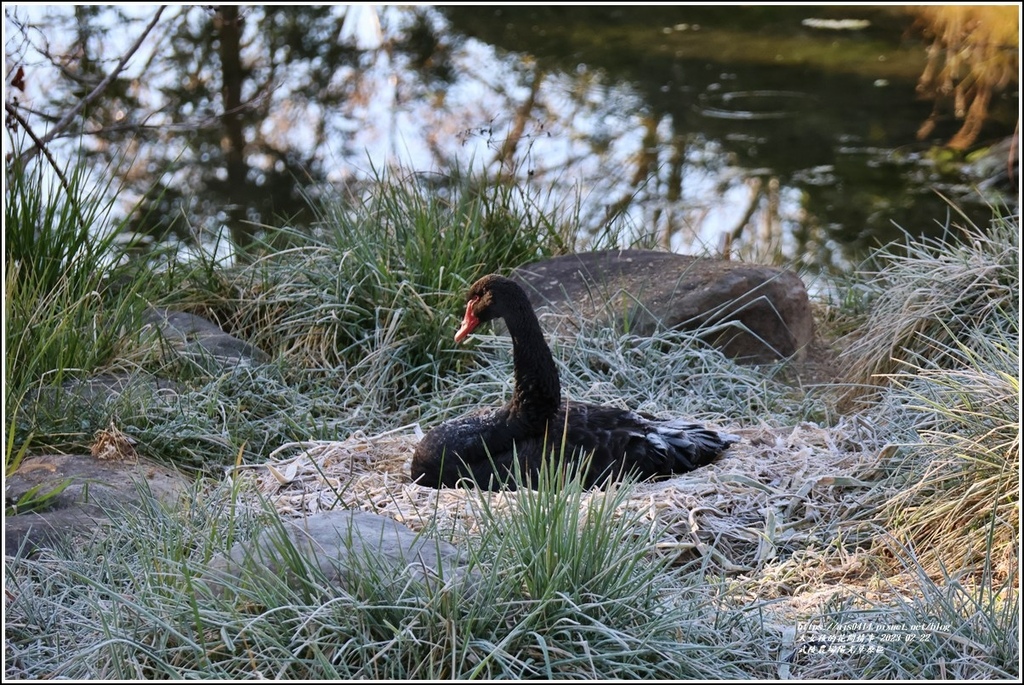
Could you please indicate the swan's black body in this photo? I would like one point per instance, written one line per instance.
(484, 445)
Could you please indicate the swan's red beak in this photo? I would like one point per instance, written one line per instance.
(469, 322)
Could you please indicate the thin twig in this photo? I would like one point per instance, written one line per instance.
(12, 111)
(66, 120)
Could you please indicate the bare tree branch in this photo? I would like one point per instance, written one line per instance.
(756, 191)
(508, 148)
(66, 120)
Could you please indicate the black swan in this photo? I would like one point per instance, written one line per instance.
(483, 445)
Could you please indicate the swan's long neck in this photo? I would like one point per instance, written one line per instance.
(537, 393)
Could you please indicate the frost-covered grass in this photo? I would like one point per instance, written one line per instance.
(358, 317)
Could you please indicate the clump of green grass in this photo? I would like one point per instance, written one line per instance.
(371, 293)
(71, 304)
(927, 295)
(586, 602)
(584, 562)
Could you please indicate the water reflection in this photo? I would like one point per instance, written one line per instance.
(793, 164)
(759, 132)
(605, 122)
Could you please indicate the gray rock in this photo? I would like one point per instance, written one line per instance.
(347, 546)
(202, 339)
(86, 490)
(753, 313)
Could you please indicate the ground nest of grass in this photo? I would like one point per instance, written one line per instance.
(772, 508)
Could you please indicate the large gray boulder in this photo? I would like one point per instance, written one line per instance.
(347, 546)
(753, 313)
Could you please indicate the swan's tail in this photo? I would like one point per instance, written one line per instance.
(694, 445)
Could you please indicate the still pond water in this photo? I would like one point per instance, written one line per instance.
(787, 133)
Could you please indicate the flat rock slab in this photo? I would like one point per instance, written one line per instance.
(753, 313)
(200, 338)
(348, 546)
(86, 489)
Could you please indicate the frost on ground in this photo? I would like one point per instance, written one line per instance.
(778, 513)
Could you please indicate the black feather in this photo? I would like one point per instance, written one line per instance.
(488, 446)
